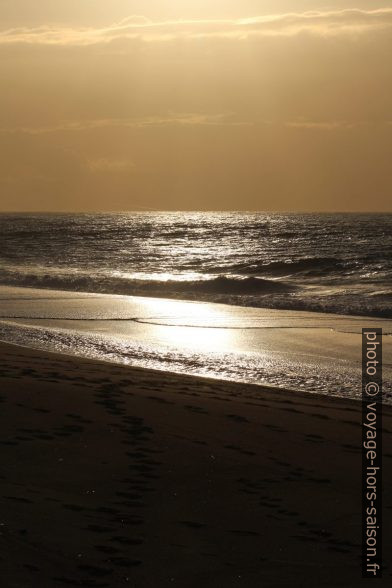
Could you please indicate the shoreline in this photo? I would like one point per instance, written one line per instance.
(265, 388)
(301, 351)
(116, 476)
(205, 298)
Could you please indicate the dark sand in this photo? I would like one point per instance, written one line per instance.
(113, 476)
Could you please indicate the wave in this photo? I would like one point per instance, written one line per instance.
(240, 291)
(250, 285)
(311, 266)
(143, 287)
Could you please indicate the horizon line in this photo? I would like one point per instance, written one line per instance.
(156, 210)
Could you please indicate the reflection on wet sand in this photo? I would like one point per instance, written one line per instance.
(297, 350)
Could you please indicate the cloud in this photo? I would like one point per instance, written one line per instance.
(174, 119)
(184, 120)
(324, 125)
(326, 23)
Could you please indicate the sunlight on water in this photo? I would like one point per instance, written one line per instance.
(297, 350)
(247, 259)
(204, 339)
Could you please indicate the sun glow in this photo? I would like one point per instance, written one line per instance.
(188, 324)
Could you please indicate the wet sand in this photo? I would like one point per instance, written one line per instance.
(288, 349)
(116, 476)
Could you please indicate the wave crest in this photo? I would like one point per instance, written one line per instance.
(119, 285)
(307, 266)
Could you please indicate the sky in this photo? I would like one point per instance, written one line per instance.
(195, 105)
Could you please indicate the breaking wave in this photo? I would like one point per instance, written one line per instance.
(144, 287)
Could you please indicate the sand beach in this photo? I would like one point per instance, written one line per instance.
(116, 476)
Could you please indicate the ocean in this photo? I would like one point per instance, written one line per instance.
(272, 299)
(340, 263)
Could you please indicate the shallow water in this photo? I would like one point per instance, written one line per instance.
(314, 352)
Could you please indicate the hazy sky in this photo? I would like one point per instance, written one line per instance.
(195, 104)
